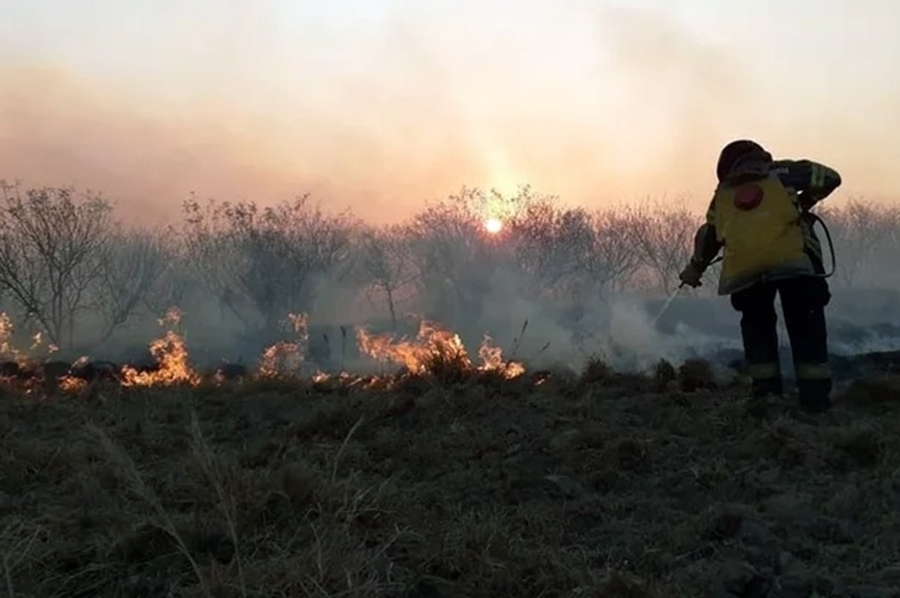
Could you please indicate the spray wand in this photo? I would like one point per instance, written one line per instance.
(674, 294)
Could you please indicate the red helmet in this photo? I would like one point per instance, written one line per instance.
(739, 151)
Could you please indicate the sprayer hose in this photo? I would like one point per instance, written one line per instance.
(815, 218)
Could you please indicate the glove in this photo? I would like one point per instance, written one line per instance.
(691, 275)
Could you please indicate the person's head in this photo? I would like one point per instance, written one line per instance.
(742, 157)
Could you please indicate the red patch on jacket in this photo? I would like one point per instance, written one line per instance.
(748, 197)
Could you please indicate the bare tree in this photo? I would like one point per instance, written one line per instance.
(573, 251)
(664, 238)
(859, 229)
(550, 245)
(51, 254)
(612, 258)
(455, 258)
(132, 266)
(264, 263)
(177, 277)
(452, 259)
(388, 263)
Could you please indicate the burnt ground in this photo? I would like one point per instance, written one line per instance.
(601, 486)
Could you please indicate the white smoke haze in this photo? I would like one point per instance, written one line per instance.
(384, 106)
(555, 287)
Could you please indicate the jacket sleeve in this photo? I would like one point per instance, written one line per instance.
(706, 243)
(812, 181)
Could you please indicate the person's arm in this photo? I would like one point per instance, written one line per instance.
(706, 243)
(812, 181)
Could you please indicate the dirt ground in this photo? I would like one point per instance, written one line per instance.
(547, 485)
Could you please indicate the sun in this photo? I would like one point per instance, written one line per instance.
(493, 225)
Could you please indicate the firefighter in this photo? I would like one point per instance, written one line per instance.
(760, 216)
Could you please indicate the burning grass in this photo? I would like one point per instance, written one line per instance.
(436, 353)
(448, 478)
(439, 353)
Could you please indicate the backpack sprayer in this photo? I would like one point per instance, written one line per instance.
(812, 218)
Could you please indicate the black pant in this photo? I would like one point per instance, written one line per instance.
(803, 301)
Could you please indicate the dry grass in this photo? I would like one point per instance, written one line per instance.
(599, 485)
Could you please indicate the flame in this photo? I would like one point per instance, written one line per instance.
(413, 355)
(435, 350)
(492, 360)
(433, 342)
(285, 358)
(9, 351)
(71, 385)
(7, 348)
(343, 379)
(6, 330)
(170, 352)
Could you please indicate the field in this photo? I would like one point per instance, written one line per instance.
(450, 483)
(169, 474)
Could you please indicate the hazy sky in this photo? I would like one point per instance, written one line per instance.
(382, 104)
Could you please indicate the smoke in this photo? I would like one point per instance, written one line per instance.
(592, 101)
(547, 316)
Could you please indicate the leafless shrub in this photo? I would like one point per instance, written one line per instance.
(52, 248)
(612, 258)
(664, 236)
(131, 267)
(862, 233)
(387, 261)
(263, 263)
(453, 259)
(551, 246)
